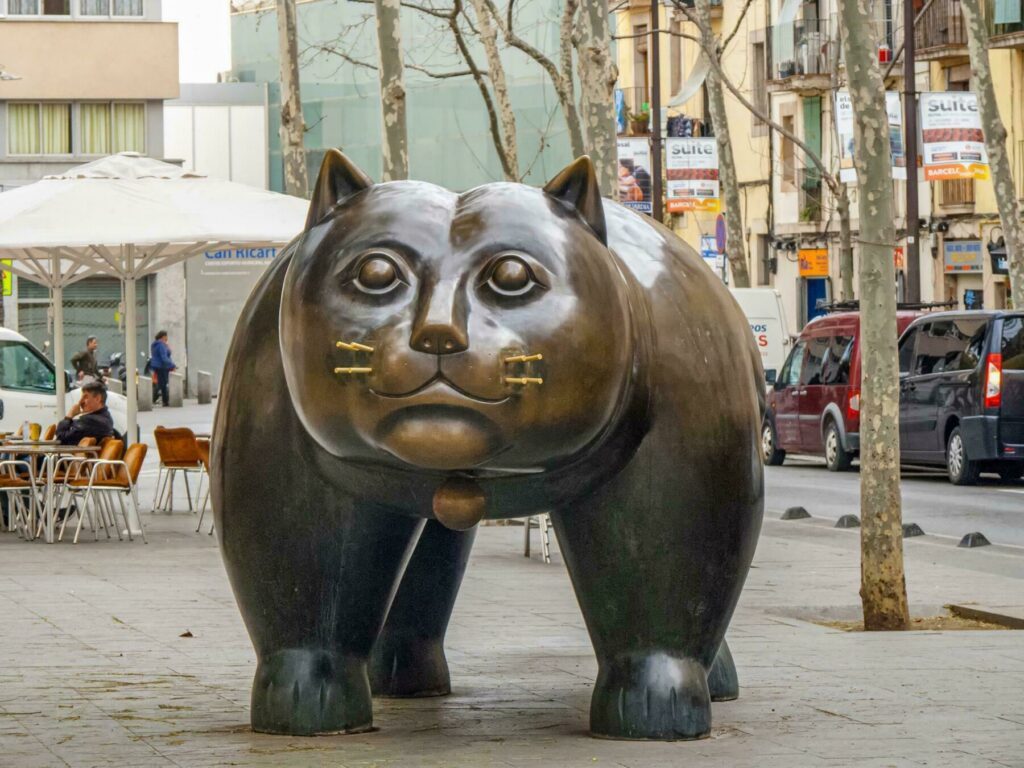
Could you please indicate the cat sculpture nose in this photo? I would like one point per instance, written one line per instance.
(440, 327)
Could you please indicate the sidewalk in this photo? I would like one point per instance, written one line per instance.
(96, 672)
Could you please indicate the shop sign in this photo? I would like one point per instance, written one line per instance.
(959, 256)
(813, 262)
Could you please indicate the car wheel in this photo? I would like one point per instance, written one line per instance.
(837, 459)
(772, 455)
(961, 470)
(1010, 472)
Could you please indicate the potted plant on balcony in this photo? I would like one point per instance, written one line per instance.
(639, 123)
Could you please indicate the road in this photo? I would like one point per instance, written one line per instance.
(992, 507)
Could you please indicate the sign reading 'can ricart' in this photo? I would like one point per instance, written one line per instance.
(691, 169)
(953, 143)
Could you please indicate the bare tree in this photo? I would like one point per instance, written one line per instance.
(995, 146)
(598, 75)
(395, 138)
(883, 587)
(489, 39)
(293, 127)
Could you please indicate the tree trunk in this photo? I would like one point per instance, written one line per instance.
(496, 73)
(565, 88)
(394, 138)
(995, 146)
(735, 246)
(597, 75)
(883, 588)
(845, 244)
(293, 127)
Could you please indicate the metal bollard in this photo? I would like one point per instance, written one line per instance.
(114, 385)
(176, 388)
(204, 387)
(144, 385)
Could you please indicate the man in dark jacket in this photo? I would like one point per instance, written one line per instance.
(85, 361)
(88, 417)
(162, 364)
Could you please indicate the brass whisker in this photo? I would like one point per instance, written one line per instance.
(353, 370)
(524, 380)
(353, 346)
(523, 358)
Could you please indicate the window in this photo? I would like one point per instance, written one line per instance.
(759, 80)
(791, 370)
(788, 155)
(111, 7)
(39, 7)
(106, 128)
(1012, 346)
(835, 368)
(949, 345)
(907, 351)
(817, 349)
(676, 58)
(39, 129)
(21, 367)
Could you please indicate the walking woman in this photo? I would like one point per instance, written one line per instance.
(162, 364)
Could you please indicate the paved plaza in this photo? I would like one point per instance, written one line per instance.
(135, 655)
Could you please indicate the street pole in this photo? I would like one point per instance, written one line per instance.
(913, 259)
(656, 190)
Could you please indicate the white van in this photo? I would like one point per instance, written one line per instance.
(763, 308)
(28, 388)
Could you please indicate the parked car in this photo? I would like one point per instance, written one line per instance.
(28, 387)
(962, 393)
(814, 405)
(767, 319)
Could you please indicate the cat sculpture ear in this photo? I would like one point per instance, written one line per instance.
(576, 184)
(339, 178)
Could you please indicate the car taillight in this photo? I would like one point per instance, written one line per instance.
(993, 381)
(853, 405)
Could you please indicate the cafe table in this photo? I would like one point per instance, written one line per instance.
(50, 451)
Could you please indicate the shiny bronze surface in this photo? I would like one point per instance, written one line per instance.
(421, 355)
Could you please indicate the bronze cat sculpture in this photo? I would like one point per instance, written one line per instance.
(418, 360)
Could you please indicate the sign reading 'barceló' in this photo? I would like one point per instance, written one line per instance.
(953, 143)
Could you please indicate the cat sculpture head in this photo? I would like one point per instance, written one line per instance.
(476, 334)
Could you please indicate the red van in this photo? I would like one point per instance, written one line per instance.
(814, 406)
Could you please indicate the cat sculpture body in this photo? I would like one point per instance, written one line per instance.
(418, 360)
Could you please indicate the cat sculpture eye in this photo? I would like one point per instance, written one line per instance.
(377, 273)
(512, 275)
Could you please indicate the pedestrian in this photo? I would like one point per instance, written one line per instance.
(161, 363)
(88, 417)
(84, 362)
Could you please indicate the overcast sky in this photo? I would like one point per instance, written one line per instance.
(204, 38)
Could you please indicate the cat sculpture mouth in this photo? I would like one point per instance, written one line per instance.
(440, 386)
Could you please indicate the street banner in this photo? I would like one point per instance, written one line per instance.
(691, 167)
(635, 174)
(952, 140)
(844, 127)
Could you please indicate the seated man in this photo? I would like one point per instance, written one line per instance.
(88, 417)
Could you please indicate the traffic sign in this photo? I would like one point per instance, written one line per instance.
(720, 233)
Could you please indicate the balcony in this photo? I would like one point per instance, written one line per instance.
(637, 119)
(1005, 24)
(957, 195)
(801, 55)
(942, 32)
(810, 195)
(716, 7)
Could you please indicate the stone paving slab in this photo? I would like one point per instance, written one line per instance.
(96, 673)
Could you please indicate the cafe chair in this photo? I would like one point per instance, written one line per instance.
(204, 456)
(109, 481)
(16, 478)
(178, 453)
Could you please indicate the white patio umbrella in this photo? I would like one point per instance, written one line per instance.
(128, 216)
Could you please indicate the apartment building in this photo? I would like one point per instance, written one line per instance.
(787, 61)
(81, 79)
